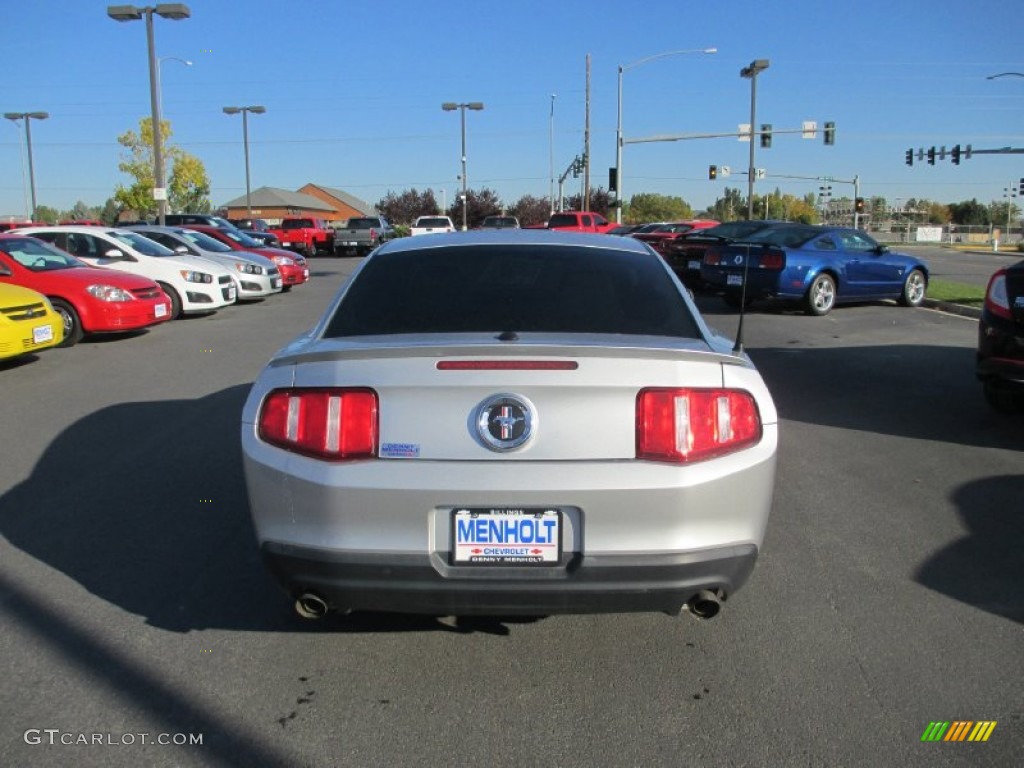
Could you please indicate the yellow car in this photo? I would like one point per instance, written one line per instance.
(27, 322)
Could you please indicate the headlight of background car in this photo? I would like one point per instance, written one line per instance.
(108, 293)
(196, 277)
(284, 261)
(249, 269)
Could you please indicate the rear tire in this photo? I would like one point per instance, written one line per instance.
(1001, 398)
(73, 331)
(914, 288)
(821, 296)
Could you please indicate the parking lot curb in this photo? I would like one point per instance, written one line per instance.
(953, 309)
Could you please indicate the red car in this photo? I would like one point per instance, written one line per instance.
(660, 237)
(89, 299)
(291, 265)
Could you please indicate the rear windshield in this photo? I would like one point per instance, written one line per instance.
(434, 222)
(563, 220)
(792, 237)
(496, 288)
(363, 223)
(297, 224)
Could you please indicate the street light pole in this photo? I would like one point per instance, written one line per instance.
(758, 65)
(174, 11)
(28, 118)
(159, 76)
(256, 109)
(551, 156)
(450, 106)
(618, 130)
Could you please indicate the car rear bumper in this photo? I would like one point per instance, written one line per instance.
(428, 584)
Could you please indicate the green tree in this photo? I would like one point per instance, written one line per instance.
(187, 186)
(479, 203)
(46, 215)
(648, 206)
(406, 207)
(967, 212)
(601, 201)
(531, 210)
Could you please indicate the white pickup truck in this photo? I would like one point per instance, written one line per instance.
(427, 225)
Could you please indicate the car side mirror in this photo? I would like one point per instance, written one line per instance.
(882, 249)
(116, 255)
(181, 249)
(4, 271)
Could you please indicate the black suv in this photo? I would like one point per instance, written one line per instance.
(1000, 359)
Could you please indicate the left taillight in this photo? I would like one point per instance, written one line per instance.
(684, 425)
(334, 424)
(997, 297)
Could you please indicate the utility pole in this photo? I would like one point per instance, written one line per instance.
(586, 146)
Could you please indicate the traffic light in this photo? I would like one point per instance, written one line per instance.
(910, 157)
(858, 204)
(613, 178)
(1022, 187)
(712, 172)
(830, 134)
(931, 156)
(955, 154)
(766, 135)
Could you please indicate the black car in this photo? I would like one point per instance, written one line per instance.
(686, 254)
(1000, 359)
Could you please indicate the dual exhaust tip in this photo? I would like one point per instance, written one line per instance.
(704, 605)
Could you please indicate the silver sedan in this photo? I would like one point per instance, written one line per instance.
(510, 422)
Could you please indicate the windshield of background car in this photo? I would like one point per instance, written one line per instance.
(243, 240)
(787, 237)
(733, 230)
(363, 223)
(297, 224)
(435, 222)
(204, 241)
(560, 220)
(37, 255)
(141, 244)
(491, 289)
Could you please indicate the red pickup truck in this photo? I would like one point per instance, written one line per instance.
(579, 221)
(306, 235)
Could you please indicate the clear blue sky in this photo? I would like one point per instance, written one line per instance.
(353, 94)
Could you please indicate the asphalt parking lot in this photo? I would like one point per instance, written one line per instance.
(888, 596)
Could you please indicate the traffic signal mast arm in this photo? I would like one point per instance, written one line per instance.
(687, 136)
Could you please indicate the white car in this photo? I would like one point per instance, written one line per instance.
(193, 284)
(256, 277)
(429, 225)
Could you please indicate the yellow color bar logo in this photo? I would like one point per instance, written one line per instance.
(958, 730)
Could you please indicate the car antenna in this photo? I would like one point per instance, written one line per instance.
(737, 348)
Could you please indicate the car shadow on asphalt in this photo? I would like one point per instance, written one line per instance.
(983, 569)
(905, 390)
(144, 505)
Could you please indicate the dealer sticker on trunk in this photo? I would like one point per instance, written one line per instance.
(506, 536)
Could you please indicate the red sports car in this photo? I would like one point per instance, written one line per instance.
(88, 299)
(292, 265)
(660, 237)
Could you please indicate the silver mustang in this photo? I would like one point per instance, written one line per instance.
(510, 422)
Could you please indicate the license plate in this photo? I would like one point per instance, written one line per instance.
(506, 536)
(734, 280)
(160, 310)
(349, 243)
(42, 333)
(286, 244)
(693, 264)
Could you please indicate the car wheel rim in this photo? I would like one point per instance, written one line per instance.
(823, 295)
(65, 318)
(915, 288)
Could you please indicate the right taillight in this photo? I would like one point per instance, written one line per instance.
(682, 425)
(334, 424)
(997, 299)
